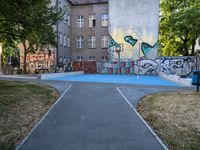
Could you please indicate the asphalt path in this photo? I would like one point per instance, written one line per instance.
(91, 116)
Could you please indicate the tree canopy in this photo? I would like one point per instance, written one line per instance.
(179, 26)
(29, 22)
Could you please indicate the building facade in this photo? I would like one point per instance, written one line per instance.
(89, 30)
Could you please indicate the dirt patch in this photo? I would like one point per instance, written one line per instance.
(22, 105)
(175, 116)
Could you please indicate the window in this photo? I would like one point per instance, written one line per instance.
(79, 42)
(80, 22)
(79, 58)
(92, 58)
(104, 20)
(64, 59)
(68, 20)
(104, 58)
(60, 38)
(92, 21)
(68, 41)
(60, 59)
(65, 18)
(104, 41)
(92, 42)
(65, 40)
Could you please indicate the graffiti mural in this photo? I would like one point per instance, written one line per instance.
(112, 42)
(177, 65)
(168, 65)
(129, 39)
(137, 26)
(146, 67)
(148, 50)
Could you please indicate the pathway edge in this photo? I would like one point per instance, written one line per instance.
(145, 123)
(36, 126)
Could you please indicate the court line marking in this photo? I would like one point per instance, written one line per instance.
(145, 123)
(42, 119)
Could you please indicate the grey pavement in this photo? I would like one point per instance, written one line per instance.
(134, 93)
(94, 116)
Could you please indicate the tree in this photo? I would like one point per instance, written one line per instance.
(179, 26)
(29, 22)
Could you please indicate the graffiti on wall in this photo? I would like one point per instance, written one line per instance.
(148, 50)
(112, 42)
(129, 39)
(168, 65)
(135, 27)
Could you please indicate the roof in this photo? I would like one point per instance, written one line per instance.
(85, 2)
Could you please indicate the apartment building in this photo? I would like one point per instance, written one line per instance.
(89, 30)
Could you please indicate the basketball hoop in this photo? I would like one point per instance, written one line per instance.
(117, 49)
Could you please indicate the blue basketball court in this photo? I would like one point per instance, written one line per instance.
(123, 79)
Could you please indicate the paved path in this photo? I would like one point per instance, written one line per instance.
(95, 116)
(91, 117)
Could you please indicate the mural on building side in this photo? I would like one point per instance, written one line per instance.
(137, 31)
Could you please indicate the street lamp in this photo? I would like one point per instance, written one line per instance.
(0, 58)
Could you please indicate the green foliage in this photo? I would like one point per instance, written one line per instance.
(29, 22)
(179, 26)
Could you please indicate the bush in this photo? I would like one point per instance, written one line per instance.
(19, 71)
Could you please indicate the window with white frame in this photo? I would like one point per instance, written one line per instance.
(60, 38)
(65, 17)
(92, 21)
(92, 42)
(91, 58)
(65, 40)
(68, 20)
(79, 42)
(68, 41)
(104, 20)
(104, 58)
(80, 22)
(60, 59)
(79, 58)
(104, 41)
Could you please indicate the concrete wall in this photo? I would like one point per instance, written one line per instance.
(134, 23)
(167, 65)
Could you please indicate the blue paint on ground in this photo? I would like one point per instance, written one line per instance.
(124, 79)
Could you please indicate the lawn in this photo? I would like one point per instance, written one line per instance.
(175, 117)
(21, 106)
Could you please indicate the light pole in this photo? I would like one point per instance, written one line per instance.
(0, 58)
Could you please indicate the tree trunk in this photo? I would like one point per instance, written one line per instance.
(25, 54)
(186, 52)
(193, 47)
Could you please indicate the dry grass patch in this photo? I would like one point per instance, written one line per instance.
(175, 116)
(21, 106)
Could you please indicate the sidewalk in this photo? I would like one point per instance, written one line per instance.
(91, 116)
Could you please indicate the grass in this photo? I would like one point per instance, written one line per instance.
(21, 106)
(175, 117)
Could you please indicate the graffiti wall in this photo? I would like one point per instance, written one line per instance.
(134, 28)
(143, 66)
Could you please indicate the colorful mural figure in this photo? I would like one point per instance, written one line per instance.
(147, 49)
(129, 39)
(139, 24)
(112, 42)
